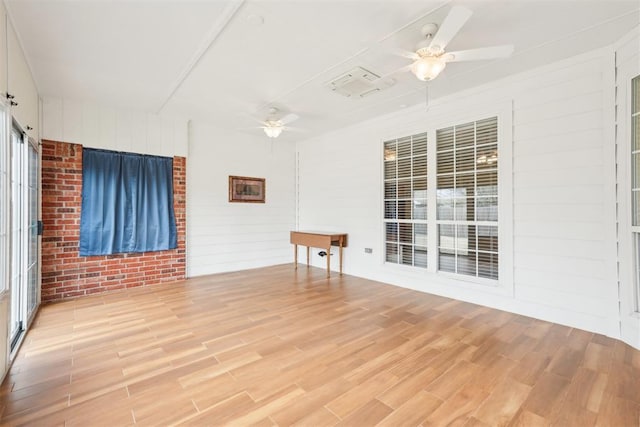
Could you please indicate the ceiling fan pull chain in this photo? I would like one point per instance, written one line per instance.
(426, 96)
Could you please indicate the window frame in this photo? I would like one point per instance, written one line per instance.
(456, 151)
(5, 202)
(634, 229)
(443, 116)
(618, 98)
(396, 179)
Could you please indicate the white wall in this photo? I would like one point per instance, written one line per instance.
(221, 236)
(563, 179)
(627, 60)
(225, 236)
(108, 128)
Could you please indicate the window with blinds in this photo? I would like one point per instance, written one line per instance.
(405, 200)
(635, 179)
(467, 198)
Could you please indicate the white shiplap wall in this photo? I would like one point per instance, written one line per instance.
(627, 61)
(225, 236)
(563, 222)
(97, 126)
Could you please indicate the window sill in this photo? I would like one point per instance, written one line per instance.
(470, 279)
(450, 280)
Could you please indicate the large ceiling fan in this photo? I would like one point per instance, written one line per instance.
(275, 122)
(430, 57)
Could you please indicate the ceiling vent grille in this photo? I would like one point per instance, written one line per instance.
(358, 83)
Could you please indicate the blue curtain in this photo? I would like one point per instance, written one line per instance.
(127, 203)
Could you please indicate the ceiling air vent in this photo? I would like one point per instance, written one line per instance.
(358, 83)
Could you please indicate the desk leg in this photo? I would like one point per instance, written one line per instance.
(329, 261)
(307, 256)
(340, 258)
(295, 255)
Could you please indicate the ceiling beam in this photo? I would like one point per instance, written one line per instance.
(216, 30)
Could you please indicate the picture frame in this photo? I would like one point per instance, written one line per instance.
(245, 189)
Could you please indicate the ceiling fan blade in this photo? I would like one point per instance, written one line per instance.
(253, 119)
(289, 118)
(454, 21)
(396, 71)
(403, 53)
(492, 52)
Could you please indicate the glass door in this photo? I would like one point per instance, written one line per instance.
(32, 230)
(24, 233)
(16, 325)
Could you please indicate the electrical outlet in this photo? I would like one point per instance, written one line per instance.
(368, 250)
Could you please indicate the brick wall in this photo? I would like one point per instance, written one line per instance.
(65, 274)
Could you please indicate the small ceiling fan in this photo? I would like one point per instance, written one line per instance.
(273, 125)
(430, 57)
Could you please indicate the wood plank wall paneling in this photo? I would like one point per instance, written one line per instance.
(273, 346)
(98, 126)
(562, 239)
(64, 273)
(226, 236)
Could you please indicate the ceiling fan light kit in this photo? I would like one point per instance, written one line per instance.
(273, 126)
(430, 57)
(428, 67)
(273, 129)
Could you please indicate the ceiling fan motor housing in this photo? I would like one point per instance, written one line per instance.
(424, 47)
(428, 30)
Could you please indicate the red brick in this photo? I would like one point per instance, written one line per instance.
(65, 273)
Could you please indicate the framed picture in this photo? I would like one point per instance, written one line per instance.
(245, 189)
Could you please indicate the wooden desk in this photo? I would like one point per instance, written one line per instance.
(318, 239)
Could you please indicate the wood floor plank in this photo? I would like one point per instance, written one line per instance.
(597, 357)
(618, 411)
(208, 393)
(319, 417)
(361, 394)
(369, 414)
(84, 413)
(413, 412)
(525, 418)
(458, 409)
(268, 406)
(452, 380)
(503, 403)
(587, 390)
(408, 387)
(223, 412)
(279, 347)
(547, 395)
(311, 401)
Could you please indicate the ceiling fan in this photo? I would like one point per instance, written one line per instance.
(273, 125)
(430, 57)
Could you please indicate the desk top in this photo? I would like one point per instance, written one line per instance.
(321, 233)
(318, 238)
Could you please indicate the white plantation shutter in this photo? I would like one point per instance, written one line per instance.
(4, 205)
(405, 200)
(635, 149)
(635, 180)
(467, 198)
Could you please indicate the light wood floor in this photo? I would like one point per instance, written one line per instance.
(275, 347)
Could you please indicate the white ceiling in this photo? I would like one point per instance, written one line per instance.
(225, 61)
